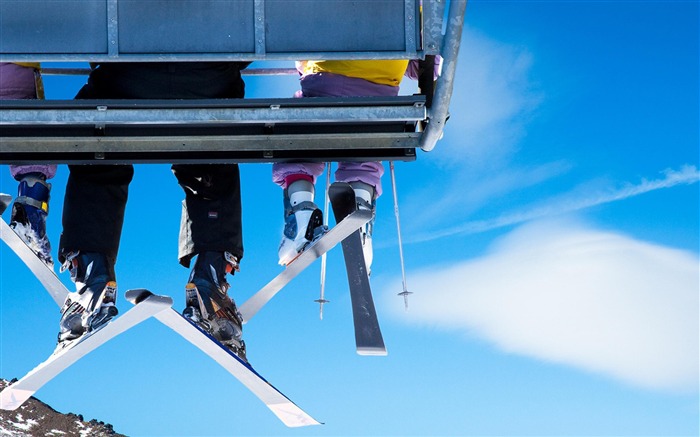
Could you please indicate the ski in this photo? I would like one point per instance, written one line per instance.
(350, 223)
(368, 336)
(44, 273)
(148, 305)
(4, 202)
(286, 410)
(65, 355)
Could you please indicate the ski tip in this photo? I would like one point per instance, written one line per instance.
(292, 416)
(11, 398)
(372, 351)
(137, 295)
(339, 187)
(5, 200)
(140, 295)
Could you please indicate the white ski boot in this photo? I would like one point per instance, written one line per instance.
(364, 195)
(303, 221)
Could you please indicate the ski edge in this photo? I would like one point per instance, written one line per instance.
(371, 351)
(43, 273)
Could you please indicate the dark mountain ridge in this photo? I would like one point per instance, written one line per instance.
(34, 418)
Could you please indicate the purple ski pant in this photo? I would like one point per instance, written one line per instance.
(336, 85)
(18, 82)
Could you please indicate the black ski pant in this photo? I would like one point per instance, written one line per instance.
(96, 195)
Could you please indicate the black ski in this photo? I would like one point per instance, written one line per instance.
(368, 336)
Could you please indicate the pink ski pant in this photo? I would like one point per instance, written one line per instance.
(335, 85)
(18, 82)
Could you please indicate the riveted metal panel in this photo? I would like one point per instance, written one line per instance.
(186, 26)
(335, 25)
(53, 26)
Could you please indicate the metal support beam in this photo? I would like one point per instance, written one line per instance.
(439, 110)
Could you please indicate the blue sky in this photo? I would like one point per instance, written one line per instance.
(551, 242)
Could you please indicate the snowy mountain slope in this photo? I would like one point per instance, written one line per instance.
(35, 418)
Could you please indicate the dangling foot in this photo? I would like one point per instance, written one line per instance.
(366, 234)
(208, 304)
(364, 196)
(93, 304)
(301, 227)
(29, 213)
(303, 221)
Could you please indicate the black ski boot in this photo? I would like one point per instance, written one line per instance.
(208, 304)
(92, 305)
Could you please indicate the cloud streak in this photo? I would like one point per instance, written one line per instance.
(561, 292)
(687, 175)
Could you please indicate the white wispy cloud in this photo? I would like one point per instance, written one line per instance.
(562, 292)
(686, 175)
(495, 97)
(492, 103)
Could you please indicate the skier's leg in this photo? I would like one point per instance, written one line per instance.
(93, 214)
(211, 230)
(303, 220)
(369, 173)
(31, 206)
(211, 213)
(93, 209)
(365, 179)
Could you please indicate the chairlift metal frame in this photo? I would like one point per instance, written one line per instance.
(226, 130)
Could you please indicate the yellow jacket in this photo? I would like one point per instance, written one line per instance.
(385, 72)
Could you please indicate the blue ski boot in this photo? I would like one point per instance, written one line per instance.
(29, 213)
(208, 304)
(92, 305)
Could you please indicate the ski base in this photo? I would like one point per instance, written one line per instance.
(65, 355)
(368, 335)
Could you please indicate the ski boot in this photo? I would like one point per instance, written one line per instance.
(364, 196)
(29, 213)
(303, 221)
(207, 302)
(92, 305)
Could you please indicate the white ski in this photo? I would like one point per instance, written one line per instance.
(286, 410)
(64, 356)
(44, 273)
(338, 233)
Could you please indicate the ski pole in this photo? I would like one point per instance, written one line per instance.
(405, 292)
(326, 202)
